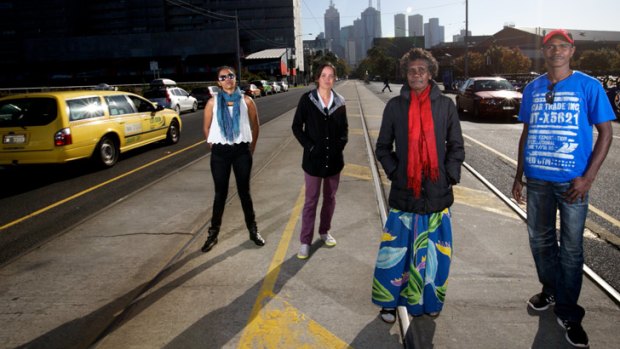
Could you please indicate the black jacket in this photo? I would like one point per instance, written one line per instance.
(434, 197)
(322, 132)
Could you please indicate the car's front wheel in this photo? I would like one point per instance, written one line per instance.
(195, 106)
(106, 153)
(174, 133)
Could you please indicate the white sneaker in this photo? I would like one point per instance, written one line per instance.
(304, 251)
(328, 240)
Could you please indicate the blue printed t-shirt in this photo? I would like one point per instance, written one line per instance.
(559, 139)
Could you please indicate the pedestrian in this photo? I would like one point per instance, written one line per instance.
(386, 84)
(421, 149)
(231, 128)
(555, 153)
(321, 127)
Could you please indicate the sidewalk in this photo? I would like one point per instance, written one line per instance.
(241, 296)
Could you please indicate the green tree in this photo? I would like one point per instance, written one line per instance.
(504, 60)
(601, 61)
(475, 66)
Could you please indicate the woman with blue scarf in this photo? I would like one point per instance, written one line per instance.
(231, 129)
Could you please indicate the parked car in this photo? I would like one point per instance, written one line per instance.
(202, 95)
(488, 96)
(63, 126)
(165, 93)
(276, 88)
(264, 87)
(283, 84)
(251, 90)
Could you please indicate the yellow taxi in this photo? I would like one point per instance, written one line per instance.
(58, 127)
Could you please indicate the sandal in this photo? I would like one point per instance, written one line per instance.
(388, 315)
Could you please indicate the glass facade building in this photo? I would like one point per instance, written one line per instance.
(50, 42)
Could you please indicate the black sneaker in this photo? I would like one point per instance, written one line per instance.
(541, 301)
(575, 334)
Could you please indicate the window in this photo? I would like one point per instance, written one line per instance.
(119, 105)
(27, 112)
(84, 108)
(142, 106)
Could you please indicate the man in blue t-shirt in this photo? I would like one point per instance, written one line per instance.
(558, 111)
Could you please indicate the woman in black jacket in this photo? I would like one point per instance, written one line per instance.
(420, 147)
(320, 125)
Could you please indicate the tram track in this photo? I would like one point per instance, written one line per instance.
(403, 317)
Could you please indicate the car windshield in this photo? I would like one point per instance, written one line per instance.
(492, 85)
(27, 112)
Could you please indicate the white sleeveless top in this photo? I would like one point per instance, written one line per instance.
(245, 131)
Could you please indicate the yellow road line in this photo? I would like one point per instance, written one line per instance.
(283, 326)
(102, 184)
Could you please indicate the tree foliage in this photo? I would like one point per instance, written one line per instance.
(342, 68)
(377, 62)
(601, 61)
(496, 60)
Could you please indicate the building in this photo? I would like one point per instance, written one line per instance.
(416, 25)
(371, 28)
(332, 30)
(64, 42)
(461, 36)
(400, 25)
(433, 33)
(347, 37)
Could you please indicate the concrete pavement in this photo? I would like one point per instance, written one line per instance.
(145, 250)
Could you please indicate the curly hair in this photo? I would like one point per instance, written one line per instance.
(418, 53)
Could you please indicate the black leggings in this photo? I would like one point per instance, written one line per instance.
(238, 158)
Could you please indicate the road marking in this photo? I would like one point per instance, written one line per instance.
(597, 211)
(100, 185)
(274, 323)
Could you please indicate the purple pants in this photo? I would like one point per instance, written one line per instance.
(313, 190)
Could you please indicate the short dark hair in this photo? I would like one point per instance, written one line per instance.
(418, 53)
(319, 70)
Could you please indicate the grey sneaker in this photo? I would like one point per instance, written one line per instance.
(304, 251)
(541, 301)
(328, 240)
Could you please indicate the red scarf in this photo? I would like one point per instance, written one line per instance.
(422, 155)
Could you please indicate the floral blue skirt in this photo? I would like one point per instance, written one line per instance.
(413, 262)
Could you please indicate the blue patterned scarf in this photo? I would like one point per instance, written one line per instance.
(229, 124)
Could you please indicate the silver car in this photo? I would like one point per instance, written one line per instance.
(170, 96)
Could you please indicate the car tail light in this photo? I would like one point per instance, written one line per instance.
(167, 97)
(63, 137)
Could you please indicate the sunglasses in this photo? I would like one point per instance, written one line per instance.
(550, 95)
(230, 76)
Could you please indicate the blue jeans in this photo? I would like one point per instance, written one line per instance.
(560, 268)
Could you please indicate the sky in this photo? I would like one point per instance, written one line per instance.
(485, 17)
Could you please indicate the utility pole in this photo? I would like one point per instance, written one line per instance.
(466, 38)
(238, 47)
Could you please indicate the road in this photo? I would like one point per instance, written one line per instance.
(491, 149)
(40, 202)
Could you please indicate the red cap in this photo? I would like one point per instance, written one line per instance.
(559, 32)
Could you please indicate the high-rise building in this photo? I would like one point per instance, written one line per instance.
(433, 33)
(371, 26)
(400, 25)
(461, 36)
(332, 29)
(347, 37)
(416, 25)
(116, 41)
